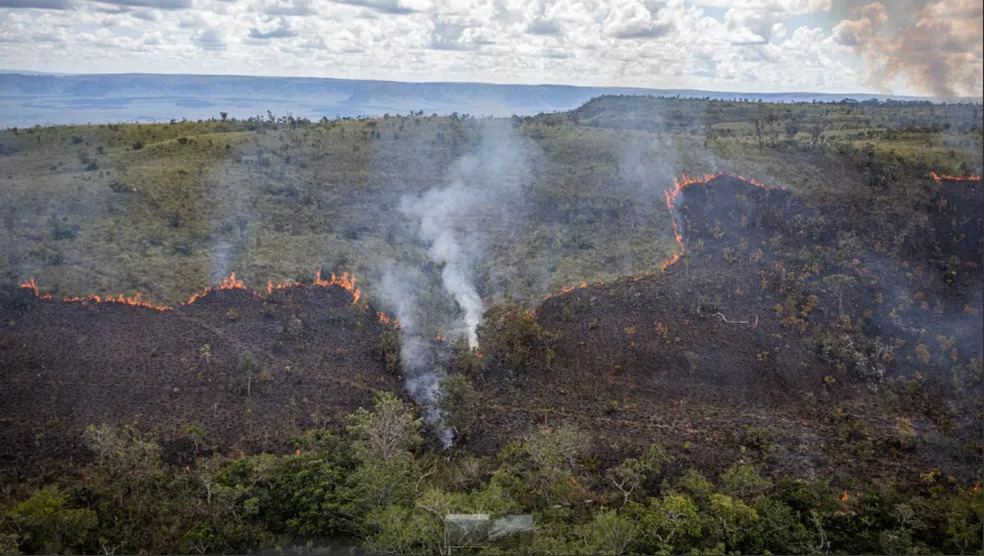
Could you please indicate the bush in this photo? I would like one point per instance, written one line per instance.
(459, 402)
(247, 373)
(512, 340)
(388, 350)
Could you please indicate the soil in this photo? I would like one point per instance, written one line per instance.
(68, 365)
(723, 356)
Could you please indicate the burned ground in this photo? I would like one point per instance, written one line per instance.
(68, 365)
(740, 349)
(808, 335)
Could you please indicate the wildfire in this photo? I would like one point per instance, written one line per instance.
(387, 320)
(135, 301)
(345, 280)
(941, 177)
(671, 194)
(228, 283)
(33, 286)
(844, 496)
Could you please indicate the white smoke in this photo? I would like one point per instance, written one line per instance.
(458, 221)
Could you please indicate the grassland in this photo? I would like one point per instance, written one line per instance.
(164, 209)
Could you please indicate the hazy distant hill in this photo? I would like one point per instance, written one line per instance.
(28, 99)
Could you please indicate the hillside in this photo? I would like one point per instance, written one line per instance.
(749, 327)
(31, 98)
(747, 331)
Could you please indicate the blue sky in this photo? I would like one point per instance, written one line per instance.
(917, 47)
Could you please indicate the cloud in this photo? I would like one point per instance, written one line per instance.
(633, 20)
(543, 28)
(940, 53)
(385, 6)
(290, 7)
(788, 7)
(209, 39)
(39, 4)
(457, 36)
(281, 32)
(158, 4)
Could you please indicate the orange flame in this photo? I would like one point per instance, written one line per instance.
(33, 286)
(941, 177)
(387, 320)
(346, 281)
(977, 486)
(134, 301)
(228, 283)
(679, 184)
(844, 496)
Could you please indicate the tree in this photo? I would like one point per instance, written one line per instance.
(511, 338)
(247, 371)
(668, 523)
(609, 533)
(389, 430)
(632, 473)
(224, 115)
(458, 402)
(551, 462)
(389, 350)
(743, 481)
(731, 518)
(44, 524)
(838, 283)
(383, 442)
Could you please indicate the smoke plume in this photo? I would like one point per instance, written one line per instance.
(939, 54)
(456, 223)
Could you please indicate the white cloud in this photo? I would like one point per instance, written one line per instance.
(745, 45)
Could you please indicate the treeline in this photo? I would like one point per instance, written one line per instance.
(376, 486)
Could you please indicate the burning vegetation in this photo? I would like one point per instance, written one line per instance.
(345, 281)
(745, 371)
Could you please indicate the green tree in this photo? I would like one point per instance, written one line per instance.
(743, 481)
(731, 519)
(389, 350)
(247, 372)
(458, 403)
(44, 523)
(382, 443)
(513, 340)
(389, 430)
(631, 473)
(839, 283)
(609, 533)
(551, 463)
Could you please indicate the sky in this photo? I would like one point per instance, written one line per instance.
(917, 47)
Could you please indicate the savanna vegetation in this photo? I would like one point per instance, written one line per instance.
(804, 379)
(374, 486)
(163, 209)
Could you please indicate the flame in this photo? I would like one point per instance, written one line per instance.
(671, 194)
(387, 320)
(33, 286)
(135, 301)
(844, 496)
(228, 283)
(977, 486)
(345, 280)
(941, 177)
